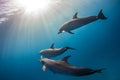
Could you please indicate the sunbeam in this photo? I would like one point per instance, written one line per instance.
(33, 6)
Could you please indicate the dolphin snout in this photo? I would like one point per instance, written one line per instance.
(41, 52)
(42, 61)
(59, 32)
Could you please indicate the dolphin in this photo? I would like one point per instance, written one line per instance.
(63, 67)
(53, 52)
(76, 22)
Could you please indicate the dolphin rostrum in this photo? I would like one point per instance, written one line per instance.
(52, 52)
(79, 22)
(63, 67)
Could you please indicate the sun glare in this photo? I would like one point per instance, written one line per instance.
(32, 6)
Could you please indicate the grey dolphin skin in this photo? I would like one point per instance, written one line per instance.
(53, 52)
(79, 22)
(63, 67)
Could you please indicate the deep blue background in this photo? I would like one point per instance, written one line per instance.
(97, 44)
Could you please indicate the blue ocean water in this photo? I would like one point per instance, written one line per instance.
(97, 44)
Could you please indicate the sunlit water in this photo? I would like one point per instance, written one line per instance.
(97, 44)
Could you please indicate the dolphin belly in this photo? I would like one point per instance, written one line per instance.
(87, 20)
(76, 22)
(81, 72)
(79, 22)
(63, 67)
(70, 70)
(71, 25)
(52, 52)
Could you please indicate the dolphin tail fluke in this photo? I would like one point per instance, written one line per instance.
(70, 48)
(101, 15)
(99, 71)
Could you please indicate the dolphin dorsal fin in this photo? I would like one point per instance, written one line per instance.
(65, 58)
(52, 46)
(75, 15)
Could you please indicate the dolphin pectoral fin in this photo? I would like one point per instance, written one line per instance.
(75, 15)
(44, 68)
(52, 46)
(70, 32)
(65, 58)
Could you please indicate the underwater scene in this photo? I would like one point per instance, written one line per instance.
(59, 40)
